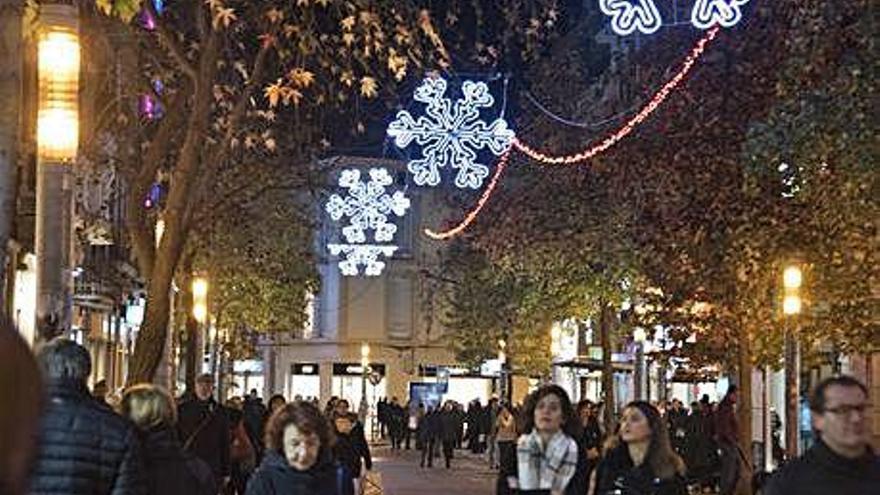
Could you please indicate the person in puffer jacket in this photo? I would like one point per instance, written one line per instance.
(298, 458)
(84, 447)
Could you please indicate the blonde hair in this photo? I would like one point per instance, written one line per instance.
(148, 406)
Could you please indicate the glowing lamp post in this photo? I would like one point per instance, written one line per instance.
(792, 279)
(200, 299)
(365, 370)
(58, 55)
(58, 114)
(640, 375)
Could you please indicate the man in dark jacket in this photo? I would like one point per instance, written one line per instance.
(449, 427)
(203, 429)
(841, 461)
(254, 413)
(84, 447)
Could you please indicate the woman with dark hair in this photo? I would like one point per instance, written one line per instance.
(546, 453)
(640, 459)
(298, 458)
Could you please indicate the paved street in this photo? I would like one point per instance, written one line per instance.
(401, 474)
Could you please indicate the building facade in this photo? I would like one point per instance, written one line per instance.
(391, 314)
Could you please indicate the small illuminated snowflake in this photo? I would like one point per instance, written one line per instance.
(367, 205)
(451, 134)
(708, 13)
(357, 255)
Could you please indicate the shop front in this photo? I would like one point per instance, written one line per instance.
(348, 382)
(305, 381)
(462, 385)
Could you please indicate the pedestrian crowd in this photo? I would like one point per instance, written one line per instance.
(59, 437)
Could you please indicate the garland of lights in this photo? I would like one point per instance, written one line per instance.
(573, 159)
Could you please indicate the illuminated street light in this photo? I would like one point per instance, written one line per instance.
(200, 299)
(792, 277)
(640, 335)
(58, 52)
(791, 305)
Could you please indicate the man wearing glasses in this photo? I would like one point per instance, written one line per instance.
(841, 461)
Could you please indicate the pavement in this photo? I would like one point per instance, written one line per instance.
(401, 475)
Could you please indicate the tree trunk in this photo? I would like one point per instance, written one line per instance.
(605, 328)
(10, 124)
(151, 338)
(744, 408)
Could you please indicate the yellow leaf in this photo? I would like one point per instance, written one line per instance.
(273, 93)
(291, 95)
(397, 65)
(348, 39)
(274, 15)
(224, 16)
(369, 87)
(270, 144)
(301, 77)
(347, 78)
(348, 23)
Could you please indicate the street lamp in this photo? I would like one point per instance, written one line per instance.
(200, 299)
(792, 279)
(58, 66)
(365, 369)
(640, 336)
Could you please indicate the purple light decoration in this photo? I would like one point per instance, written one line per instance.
(147, 20)
(148, 107)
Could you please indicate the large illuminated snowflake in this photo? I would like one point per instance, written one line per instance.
(367, 206)
(451, 134)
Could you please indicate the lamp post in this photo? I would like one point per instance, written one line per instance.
(200, 315)
(640, 378)
(365, 370)
(58, 53)
(792, 279)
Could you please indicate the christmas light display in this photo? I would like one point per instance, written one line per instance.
(654, 103)
(451, 134)
(356, 255)
(368, 207)
(726, 13)
(627, 16)
(646, 111)
(469, 219)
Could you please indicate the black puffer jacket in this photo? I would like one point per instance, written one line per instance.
(276, 477)
(617, 475)
(85, 448)
(170, 471)
(821, 471)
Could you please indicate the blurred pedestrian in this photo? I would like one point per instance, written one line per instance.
(640, 459)
(298, 458)
(351, 448)
(169, 470)
(841, 461)
(589, 440)
(727, 435)
(203, 429)
(506, 433)
(450, 425)
(242, 454)
(84, 447)
(430, 431)
(21, 394)
(547, 451)
(255, 414)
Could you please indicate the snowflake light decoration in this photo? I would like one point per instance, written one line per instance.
(451, 133)
(707, 13)
(627, 16)
(367, 207)
(356, 255)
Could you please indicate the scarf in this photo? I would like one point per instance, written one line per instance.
(545, 467)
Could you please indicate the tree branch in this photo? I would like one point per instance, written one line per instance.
(167, 38)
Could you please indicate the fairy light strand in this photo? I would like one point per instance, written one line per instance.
(658, 99)
(470, 217)
(646, 111)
